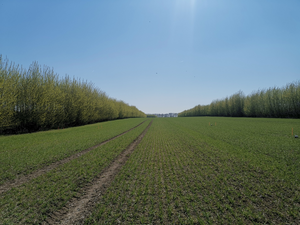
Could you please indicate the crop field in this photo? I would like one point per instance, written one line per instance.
(33, 201)
(238, 171)
(191, 170)
(23, 154)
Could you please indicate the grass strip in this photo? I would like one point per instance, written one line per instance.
(31, 203)
(23, 154)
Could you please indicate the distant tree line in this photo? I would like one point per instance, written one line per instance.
(273, 102)
(37, 98)
(151, 116)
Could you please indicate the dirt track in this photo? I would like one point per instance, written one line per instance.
(23, 179)
(78, 209)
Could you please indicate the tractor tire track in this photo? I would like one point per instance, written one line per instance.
(78, 209)
(26, 178)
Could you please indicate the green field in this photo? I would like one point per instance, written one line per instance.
(194, 170)
(239, 171)
(23, 154)
(33, 201)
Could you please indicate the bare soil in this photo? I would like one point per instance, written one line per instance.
(78, 209)
(26, 178)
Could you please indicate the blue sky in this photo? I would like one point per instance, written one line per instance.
(161, 56)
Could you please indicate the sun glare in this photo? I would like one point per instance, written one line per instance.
(183, 21)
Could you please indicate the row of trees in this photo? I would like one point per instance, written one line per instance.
(151, 116)
(37, 98)
(273, 102)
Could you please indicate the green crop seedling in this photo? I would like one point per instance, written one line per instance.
(244, 171)
(240, 171)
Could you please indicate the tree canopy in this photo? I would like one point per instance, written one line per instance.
(273, 102)
(38, 98)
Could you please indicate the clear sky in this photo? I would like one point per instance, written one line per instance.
(161, 56)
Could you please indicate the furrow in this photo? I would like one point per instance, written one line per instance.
(26, 178)
(79, 208)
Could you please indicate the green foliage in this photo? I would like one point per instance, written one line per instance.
(274, 102)
(38, 99)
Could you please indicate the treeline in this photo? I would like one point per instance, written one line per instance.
(273, 102)
(151, 116)
(37, 98)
